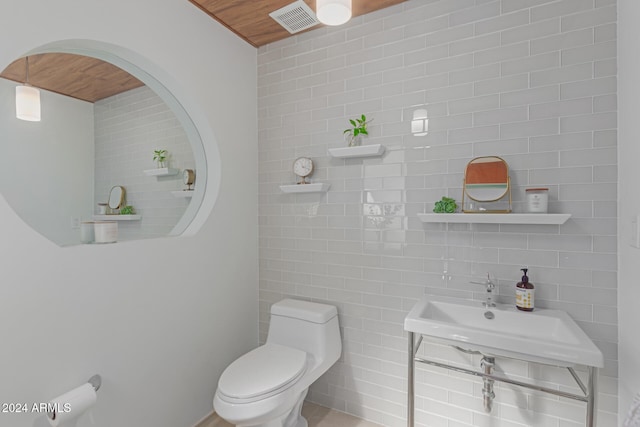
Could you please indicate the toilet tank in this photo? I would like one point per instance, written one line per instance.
(307, 326)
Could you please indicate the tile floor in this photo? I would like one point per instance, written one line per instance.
(318, 416)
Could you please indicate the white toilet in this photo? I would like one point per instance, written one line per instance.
(267, 386)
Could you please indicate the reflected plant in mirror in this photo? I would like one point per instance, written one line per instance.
(160, 157)
(127, 210)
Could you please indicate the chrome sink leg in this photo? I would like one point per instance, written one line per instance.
(411, 380)
(487, 363)
(591, 396)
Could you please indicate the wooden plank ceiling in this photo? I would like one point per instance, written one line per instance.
(81, 77)
(250, 18)
(91, 79)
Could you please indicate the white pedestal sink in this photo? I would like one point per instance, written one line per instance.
(541, 336)
(544, 336)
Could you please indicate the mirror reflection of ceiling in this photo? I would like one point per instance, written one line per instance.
(250, 19)
(81, 77)
(85, 148)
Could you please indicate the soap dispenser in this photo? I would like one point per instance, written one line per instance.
(524, 293)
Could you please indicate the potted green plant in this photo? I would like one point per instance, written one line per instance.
(358, 128)
(445, 205)
(127, 210)
(160, 157)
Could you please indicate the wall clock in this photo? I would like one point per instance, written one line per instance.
(188, 178)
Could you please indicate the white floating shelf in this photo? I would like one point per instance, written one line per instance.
(358, 151)
(316, 187)
(491, 218)
(162, 172)
(117, 217)
(182, 193)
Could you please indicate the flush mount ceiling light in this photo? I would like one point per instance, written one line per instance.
(27, 99)
(333, 12)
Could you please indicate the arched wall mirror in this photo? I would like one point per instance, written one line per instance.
(486, 185)
(101, 123)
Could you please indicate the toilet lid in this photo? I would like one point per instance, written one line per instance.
(261, 371)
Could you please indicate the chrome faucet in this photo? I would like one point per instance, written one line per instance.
(490, 287)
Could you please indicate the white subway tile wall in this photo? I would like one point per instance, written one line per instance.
(531, 81)
(128, 128)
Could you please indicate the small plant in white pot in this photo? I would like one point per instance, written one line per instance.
(127, 210)
(160, 157)
(353, 135)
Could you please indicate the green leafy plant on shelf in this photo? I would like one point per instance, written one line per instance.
(127, 210)
(358, 127)
(446, 205)
(160, 156)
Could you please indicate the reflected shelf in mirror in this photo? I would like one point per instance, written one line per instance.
(182, 193)
(116, 217)
(161, 172)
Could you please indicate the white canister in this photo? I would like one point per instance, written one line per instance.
(537, 200)
(102, 208)
(87, 232)
(105, 231)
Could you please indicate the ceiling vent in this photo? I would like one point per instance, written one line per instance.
(295, 17)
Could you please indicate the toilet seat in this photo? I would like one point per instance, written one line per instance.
(261, 373)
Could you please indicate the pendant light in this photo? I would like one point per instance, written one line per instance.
(27, 99)
(333, 12)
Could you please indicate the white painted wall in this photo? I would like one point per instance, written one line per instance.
(629, 203)
(531, 81)
(60, 187)
(158, 319)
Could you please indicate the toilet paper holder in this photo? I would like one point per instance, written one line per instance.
(95, 381)
(65, 411)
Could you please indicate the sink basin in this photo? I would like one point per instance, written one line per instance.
(544, 336)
